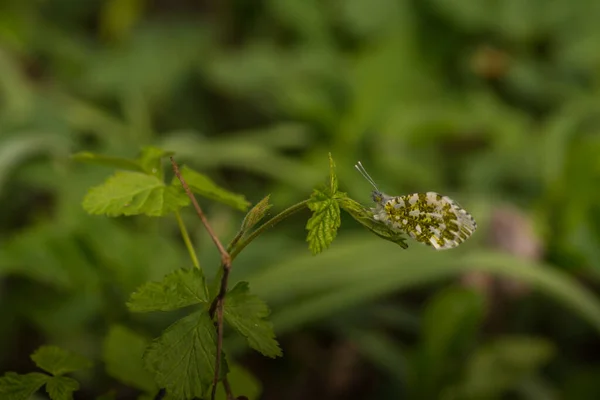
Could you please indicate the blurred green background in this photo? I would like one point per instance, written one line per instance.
(494, 103)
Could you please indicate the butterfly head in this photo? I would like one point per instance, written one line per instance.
(377, 196)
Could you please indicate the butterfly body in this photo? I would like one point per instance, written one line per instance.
(429, 218)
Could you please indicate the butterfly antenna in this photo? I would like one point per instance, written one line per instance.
(366, 175)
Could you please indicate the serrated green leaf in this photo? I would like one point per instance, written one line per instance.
(257, 213)
(108, 161)
(248, 315)
(58, 361)
(333, 181)
(182, 288)
(365, 218)
(122, 355)
(133, 193)
(323, 224)
(182, 359)
(205, 187)
(20, 387)
(150, 160)
(61, 387)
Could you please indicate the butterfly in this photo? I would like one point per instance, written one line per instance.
(429, 218)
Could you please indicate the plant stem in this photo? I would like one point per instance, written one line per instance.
(186, 239)
(226, 263)
(235, 240)
(238, 244)
(243, 243)
(269, 224)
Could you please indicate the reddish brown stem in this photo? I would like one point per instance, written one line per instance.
(219, 301)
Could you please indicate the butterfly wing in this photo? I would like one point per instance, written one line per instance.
(429, 218)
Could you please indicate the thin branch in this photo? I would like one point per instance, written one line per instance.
(226, 263)
(213, 393)
(225, 259)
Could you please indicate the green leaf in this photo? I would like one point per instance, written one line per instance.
(257, 213)
(182, 288)
(122, 355)
(205, 187)
(108, 161)
(61, 387)
(365, 217)
(150, 160)
(133, 193)
(323, 224)
(175, 198)
(243, 383)
(248, 315)
(182, 359)
(20, 387)
(58, 361)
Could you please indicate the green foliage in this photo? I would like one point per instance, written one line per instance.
(182, 359)
(182, 288)
(21, 387)
(122, 355)
(255, 215)
(247, 314)
(493, 103)
(501, 365)
(61, 387)
(108, 161)
(450, 322)
(54, 360)
(58, 361)
(149, 160)
(323, 225)
(142, 189)
(450, 325)
(133, 193)
(326, 203)
(202, 185)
